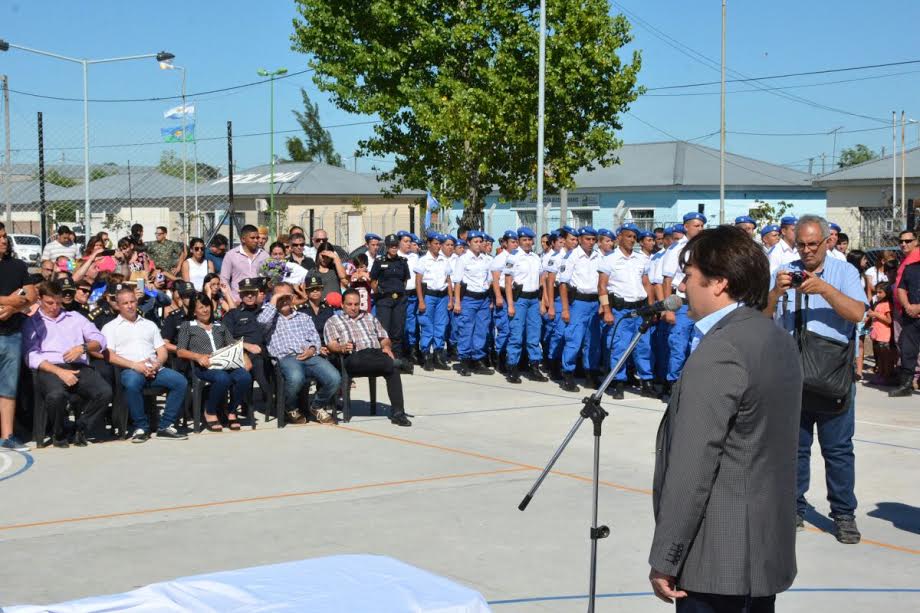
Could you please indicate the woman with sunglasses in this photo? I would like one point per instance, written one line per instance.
(195, 268)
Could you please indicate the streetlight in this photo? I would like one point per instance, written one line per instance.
(272, 220)
(166, 64)
(162, 56)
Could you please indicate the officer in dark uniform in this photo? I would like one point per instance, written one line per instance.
(242, 323)
(389, 275)
(170, 329)
(69, 290)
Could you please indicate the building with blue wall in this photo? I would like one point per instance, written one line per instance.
(659, 183)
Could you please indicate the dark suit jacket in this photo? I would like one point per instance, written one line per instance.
(725, 467)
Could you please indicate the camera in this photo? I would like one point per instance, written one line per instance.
(797, 277)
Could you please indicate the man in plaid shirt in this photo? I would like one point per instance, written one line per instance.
(361, 338)
(295, 343)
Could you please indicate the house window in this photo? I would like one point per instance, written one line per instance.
(581, 218)
(644, 218)
(527, 218)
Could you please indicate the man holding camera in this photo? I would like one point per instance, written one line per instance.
(832, 300)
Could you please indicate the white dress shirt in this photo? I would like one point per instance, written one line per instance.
(136, 341)
(655, 274)
(782, 254)
(524, 268)
(434, 271)
(411, 259)
(837, 255)
(473, 270)
(498, 265)
(625, 274)
(670, 266)
(581, 271)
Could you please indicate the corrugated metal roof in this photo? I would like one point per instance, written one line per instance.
(676, 164)
(874, 170)
(144, 184)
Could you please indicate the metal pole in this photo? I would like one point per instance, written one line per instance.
(185, 224)
(42, 209)
(722, 129)
(86, 209)
(834, 150)
(540, 117)
(903, 171)
(894, 166)
(230, 180)
(7, 164)
(130, 194)
(195, 178)
(273, 216)
(563, 206)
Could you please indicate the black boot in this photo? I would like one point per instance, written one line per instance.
(429, 362)
(503, 366)
(513, 375)
(439, 362)
(466, 367)
(452, 354)
(555, 370)
(646, 389)
(534, 374)
(905, 389)
(568, 382)
(412, 355)
(616, 390)
(591, 380)
(665, 391)
(481, 369)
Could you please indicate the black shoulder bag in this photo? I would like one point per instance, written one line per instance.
(827, 366)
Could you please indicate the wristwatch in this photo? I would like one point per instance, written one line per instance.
(85, 349)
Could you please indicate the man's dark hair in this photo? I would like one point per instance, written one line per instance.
(350, 292)
(163, 229)
(64, 230)
(248, 229)
(276, 244)
(219, 240)
(843, 237)
(727, 252)
(908, 231)
(50, 288)
(126, 241)
(137, 229)
(657, 230)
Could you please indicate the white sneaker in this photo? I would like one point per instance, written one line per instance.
(139, 436)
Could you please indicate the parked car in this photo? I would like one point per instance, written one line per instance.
(27, 247)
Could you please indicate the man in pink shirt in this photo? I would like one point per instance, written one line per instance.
(244, 261)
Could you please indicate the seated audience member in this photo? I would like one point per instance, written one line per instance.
(57, 342)
(69, 296)
(201, 336)
(242, 322)
(135, 345)
(365, 347)
(171, 323)
(318, 309)
(295, 343)
(219, 293)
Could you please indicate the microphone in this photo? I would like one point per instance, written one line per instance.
(669, 304)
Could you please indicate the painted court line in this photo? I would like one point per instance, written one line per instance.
(232, 501)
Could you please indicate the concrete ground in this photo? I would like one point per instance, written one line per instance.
(441, 495)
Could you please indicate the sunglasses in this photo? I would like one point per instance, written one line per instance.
(320, 240)
(905, 241)
(85, 290)
(297, 244)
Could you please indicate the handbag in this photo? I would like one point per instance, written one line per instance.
(827, 366)
(228, 358)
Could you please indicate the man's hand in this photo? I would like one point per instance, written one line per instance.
(814, 285)
(73, 354)
(665, 586)
(306, 354)
(510, 310)
(252, 348)
(499, 302)
(565, 315)
(141, 367)
(204, 361)
(69, 377)
(783, 282)
(389, 352)
(608, 317)
(542, 308)
(324, 351)
(457, 308)
(347, 347)
(421, 306)
(551, 312)
(669, 318)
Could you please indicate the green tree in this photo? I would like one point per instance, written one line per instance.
(454, 86)
(318, 146)
(855, 155)
(56, 178)
(765, 213)
(171, 164)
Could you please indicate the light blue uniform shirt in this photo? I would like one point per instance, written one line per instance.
(703, 326)
(821, 317)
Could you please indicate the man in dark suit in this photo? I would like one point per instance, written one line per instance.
(725, 468)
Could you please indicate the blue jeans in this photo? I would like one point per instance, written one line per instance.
(238, 381)
(524, 327)
(10, 359)
(582, 337)
(433, 323)
(298, 373)
(133, 384)
(473, 327)
(835, 437)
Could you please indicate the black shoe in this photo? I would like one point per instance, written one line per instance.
(481, 369)
(466, 368)
(592, 380)
(439, 362)
(568, 382)
(502, 363)
(534, 374)
(555, 371)
(616, 390)
(904, 390)
(646, 389)
(61, 443)
(79, 438)
(665, 395)
(846, 530)
(139, 436)
(452, 355)
(404, 366)
(400, 419)
(799, 522)
(513, 375)
(429, 363)
(170, 433)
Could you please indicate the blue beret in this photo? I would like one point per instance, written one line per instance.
(606, 232)
(668, 231)
(789, 220)
(434, 236)
(769, 228)
(370, 236)
(554, 235)
(567, 230)
(525, 231)
(402, 234)
(745, 219)
(694, 215)
(509, 234)
(678, 228)
(448, 237)
(587, 231)
(414, 238)
(486, 238)
(834, 227)
(461, 242)
(629, 227)
(646, 234)
(474, 234)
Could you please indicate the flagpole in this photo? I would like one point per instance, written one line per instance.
(540, 109)
(186, 226)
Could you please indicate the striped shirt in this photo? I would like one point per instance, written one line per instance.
(364, 331)
(55, 249)
(292, 335)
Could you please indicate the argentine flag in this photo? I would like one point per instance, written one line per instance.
(431, 204)
(178, 112)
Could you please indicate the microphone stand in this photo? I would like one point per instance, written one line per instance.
(593, 411)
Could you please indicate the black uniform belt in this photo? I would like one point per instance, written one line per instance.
(619, 304)
(474, 295)
(585, 297)
(393, 295)
(436, 293)
(530, 295)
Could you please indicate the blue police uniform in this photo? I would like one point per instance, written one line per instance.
(525, 327)
(582, 334)
(411, 331)
(435, 272)
(546, 260)
(471, 272)
(500, 313)
(660, 329)
(681, 330)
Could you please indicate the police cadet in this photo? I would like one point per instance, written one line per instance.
(453, 337)
(432, 286)
(582, 329)
(769, 236)
(69, 292)
(606, 241)
(170, 328)
(623, 286)
(784, 252)
(242, 323)
(680, 324)
(746, 223)
(832, 251)
(408, 251)
(554, 301)
(659, 328)
(547, 260)
(389, 276)
(498, 270)
(647, 244)
(471, 305)
(523, 295)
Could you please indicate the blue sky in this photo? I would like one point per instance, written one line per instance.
(223, 44)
